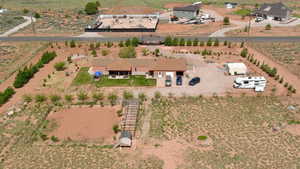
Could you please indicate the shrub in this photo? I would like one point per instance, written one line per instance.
(6, 95)
(286, 84)
(189, 42)
(145, 52)
(116, 128)
(127, 95)
(175, 42)
(119, 113)
(268, 27)
(60, 66)
(54, 139)
(168, 41)
(27, 98)
(277, 77)
(112, 99)
(104, 52)
(242, 44)
(37, 15)
(135, 42)
(55, 98)
(156, 52)
(225, 43)
(98, 97)
(202, 138)
(128, 42)
(91, 8)
(25, 11)
(94, 53)
(127, 52)
(290, 88)
(121, 44)
(82, 96)
(69, 98)
(281, 80)
(226, 21)
(157, 95)
(142, 97)
(40, 98)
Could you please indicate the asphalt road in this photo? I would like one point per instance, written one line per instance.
(106, 39)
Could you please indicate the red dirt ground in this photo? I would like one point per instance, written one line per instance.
(89, 123)
(294, 129)
(260, 31)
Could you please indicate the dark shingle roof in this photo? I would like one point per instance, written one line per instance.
(190, 8)
(275, 9)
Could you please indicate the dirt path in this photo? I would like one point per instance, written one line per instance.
(146, 122)
(21, 26)
(282, 70)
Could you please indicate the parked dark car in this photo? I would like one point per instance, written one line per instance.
(168, 82)
(179, 80)
(194, 81)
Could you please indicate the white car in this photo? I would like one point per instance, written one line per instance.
(259, 19)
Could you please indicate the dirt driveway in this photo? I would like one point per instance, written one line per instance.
(213, 80)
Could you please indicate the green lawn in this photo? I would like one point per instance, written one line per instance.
(132, 81)
(242, 12)
(83, 77)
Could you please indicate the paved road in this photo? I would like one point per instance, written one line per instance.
(105, 39)
(18, 27)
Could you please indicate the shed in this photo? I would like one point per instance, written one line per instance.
(230, 5)
(236, 68)
(125, 139)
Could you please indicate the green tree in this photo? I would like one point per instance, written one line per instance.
(189, 42)
(72, 44)
(55, 98)
(168, 41)
(156, 52)
(209, 42)
(182, 42)
(244, 52)
(69, 98)
(98, 97)
(268, 27)
(128, 43)
(40, 98)
(216, 43)
(225, 43)
(175, 42)
(60, 66)
(226, 21)
(91, 8)
(202, 43)
(195, 42)
(121, 44)
(135, 42)
(127, 52)
(37, 15)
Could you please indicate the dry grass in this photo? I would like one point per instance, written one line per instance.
(240, 130)
(287, 54)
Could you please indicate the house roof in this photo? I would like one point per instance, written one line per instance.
(275, 9)
(231, 3)
(189, 8)
(145, 64)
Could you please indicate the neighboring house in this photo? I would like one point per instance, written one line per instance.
(275, 11)
(230, 5)
(151, 68)
(236, 68)
(189, 12)
(2, 10)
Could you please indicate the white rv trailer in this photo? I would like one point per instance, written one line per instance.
(256, 83)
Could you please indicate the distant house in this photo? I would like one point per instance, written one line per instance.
(2, 10)
(189, 12)
(230, 5)
(275, 11)
(151, 68)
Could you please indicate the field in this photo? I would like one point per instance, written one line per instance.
(58, 4)
(287, 54)
(16, 55)
(240, 131)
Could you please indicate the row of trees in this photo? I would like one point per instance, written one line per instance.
(130, 42)
(6, 95)
(169, 41)
(27, 73)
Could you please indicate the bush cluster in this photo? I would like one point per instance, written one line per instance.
(169, 41)
(26, 74)
(130, 42)
(6, 95)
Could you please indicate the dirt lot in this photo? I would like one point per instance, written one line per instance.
(260, 31)
(86, 123)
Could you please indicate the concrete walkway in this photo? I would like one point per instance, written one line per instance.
(21, 26)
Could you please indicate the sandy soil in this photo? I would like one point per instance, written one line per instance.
(293, 129)
(89, 123)
(260, 31)
(130, 10)
(171, 5)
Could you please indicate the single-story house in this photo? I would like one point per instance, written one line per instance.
(236, 68)
(151, 68)
(230, 5)
(274, 11)
(188, 12)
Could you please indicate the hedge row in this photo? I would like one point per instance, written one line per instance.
(6, 95)
(26, 74)
(169, 41)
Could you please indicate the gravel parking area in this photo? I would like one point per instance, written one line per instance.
(213, 80)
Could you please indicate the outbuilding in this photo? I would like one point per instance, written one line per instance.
(236, 68)
(125, 139)
(230, 5)
(187, 12)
